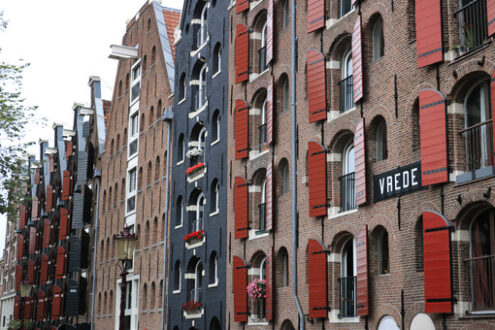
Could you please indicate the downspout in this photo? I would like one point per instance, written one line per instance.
(97, 176)
(294, 167)
(167, 116)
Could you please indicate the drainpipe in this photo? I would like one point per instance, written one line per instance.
(294, 168)
(97, 176)
(167, 116)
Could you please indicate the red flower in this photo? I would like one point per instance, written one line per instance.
(195, 168)
(197, 235)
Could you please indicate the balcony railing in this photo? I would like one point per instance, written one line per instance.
(201, 35)
(347, 192)
(346, 94)
(262, 57)
(473, 28)
(262, 215)
(199, 99)
(347, 286)
(196, 295)
(479, 145)
(482, 271)
(196, 225)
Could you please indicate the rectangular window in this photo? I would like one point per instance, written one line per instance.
(135, 82)
(134, 133)
(131, 304)
(131, 192)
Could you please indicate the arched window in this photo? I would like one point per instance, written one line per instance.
(198, 281)
(105, 303)
(122, 190)
(284, 171)
(142, 123)
(179, 213)
(213, 275)
(285, 93)
(262, 206)
(346, 91)
(347, 281)
(382, 250)
(283, 268)
(217, 59)
(145, 296)
(153, 293)
(262, 50)
(378, 44)
(202, 87)
(482, 262)
(140, 179)
(153, 55)
(203, 30)
(387, 323)
(381, 140)
(347, 190)
(285, 17)
(157, 168)
(127, 83)
(148, 174)
(199, 220)
(152, 111)
(181, 149)
(182, 87)
(159, 110)
(145, 62)
(345, 6)
(215, 196)
(155, 230)
(262, 127)
(477, 116)
(215, 127)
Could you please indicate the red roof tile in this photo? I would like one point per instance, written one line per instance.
(172, 19)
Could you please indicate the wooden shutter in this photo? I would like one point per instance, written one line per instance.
(317, 179)
(317, 278)
(241, 208)
(63, 219)
(240, 290)
(45, 243)
(32, 240)
(241, 53)
(492, 87)
(57, 302)
(436, 254)
(433, 132)
(362, 271)
(44, 269)
(66, 186)
(22, 217)
(34, 208)
(316, 15)
(40, 313)
(18, 277)
(269, 112)
(357, 62)
(30, 271)
(241, 129)
(37, 176)
(241, 6)
(28, 308)
(490, 16)
(20, 246)
(60, 268)
(317, 86)
(269, 285)
(269, 32)
(48, 199)
(428, 32)
(269, 197)
(360, 163)
(17, 307)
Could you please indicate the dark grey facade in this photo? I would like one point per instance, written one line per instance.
(199, 182)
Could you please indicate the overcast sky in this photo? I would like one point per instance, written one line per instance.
(66, 42)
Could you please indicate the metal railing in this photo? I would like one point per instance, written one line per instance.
(196, 225)
(346, 94)
(262, 215)
(482, 270)
(199, 99)
(473, 28)
(347, 286)
(479, 145)
(262, 58)
(201, 35)
(262, 129)
(347, 192)
(196, 295)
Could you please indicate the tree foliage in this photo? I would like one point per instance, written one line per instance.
(14, 117)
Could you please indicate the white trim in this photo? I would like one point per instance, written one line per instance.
(334, 157)
(334, 257)
(461, 307)
(333, 64)
(254, 112)
(455, 108)
(460, 236)
(333, 317)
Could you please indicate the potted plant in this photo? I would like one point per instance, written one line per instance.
(29, 324)
(15, 324)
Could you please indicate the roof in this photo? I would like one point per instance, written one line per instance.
(172, 19)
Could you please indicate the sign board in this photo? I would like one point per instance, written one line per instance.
(403, 180)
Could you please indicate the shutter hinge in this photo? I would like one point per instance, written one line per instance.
(434, 300)
(240, 150)
(449, 228)
(322, 251)
(241, 229)
(320, 206)
(321, 308)
(243, 267)
(319, 152)
(242, 185)
(318, 111)
(242, 313)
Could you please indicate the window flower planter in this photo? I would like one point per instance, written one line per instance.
(194, 236)
(257, 289)
(192, 306)
(194, 169)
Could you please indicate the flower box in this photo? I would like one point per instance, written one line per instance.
(194, 236)
(196, 168)
(257, 289)
(192, 306)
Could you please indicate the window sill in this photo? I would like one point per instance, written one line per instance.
(334, 21)
(216, 74)
(176, 291)
(253, 154)
(469, 53)
(257, 234)
(214, 213)
(254, 76)
(469, 315)
(198, 50)
(333, 215)
(334, 318)
(474, 176)
(215, 142)
(181, 101)
(335, 114)
(180, 163)
(198, 111)
(213, 285)
(177, 227)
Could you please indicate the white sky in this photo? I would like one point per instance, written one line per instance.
(66, 42)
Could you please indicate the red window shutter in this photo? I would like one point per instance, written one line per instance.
(44, 269)
(241, 208)
(34, 208)
(317, 177)
(428, 32)
(18, 277)
(269, 112)
(362, 272)
(269, 286)
(269, 32)
(20, 246)
(436, 254)
(317, 278)
(241, 6)
(241, 129)
(240, 289)
(17, 308)
(22, 217)
(60, 268)
(46, 234)
(317, 86)
(28, 309)
(360, 163)
(32, 240)
(62, 231)
(433, 137)
(316, 15)
(490, 15)
(357, 62)
(40, 313)
(241, 53)
(493, 97)
(51, 164)
(30, 271)
(269, 197)
(57, 304)
(66, 186)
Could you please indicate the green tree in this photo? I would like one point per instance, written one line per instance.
(14, 116)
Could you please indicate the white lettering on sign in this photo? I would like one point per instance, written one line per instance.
(396, 181)
(382, 185)
(400, 181)
(389, 184)
(413, 176)
(405, 179)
